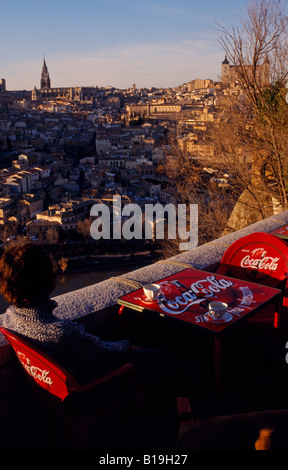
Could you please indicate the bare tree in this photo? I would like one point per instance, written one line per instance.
(63, 263)
(193, 186)
(236, 153)
(249, 137)
(83, 227)
(52, 235)
(262, 39)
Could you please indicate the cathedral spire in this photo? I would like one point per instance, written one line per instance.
(45, 79)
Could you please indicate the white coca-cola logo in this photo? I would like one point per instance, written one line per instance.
(206, 288)
(265, 263)
(36, 372)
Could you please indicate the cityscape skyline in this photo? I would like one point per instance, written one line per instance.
(113, 42)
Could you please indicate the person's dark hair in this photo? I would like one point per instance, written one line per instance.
(26, 275)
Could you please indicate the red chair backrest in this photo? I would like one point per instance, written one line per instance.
(259, 257)
(42, 369)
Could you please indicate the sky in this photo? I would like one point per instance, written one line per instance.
(149, 43)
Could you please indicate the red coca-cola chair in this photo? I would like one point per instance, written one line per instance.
(261, 258)
(106, 413)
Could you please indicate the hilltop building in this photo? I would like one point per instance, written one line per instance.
(2, 84)
(60, 93)
(230, 73)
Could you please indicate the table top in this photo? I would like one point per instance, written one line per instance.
(186, 296)
(281, 232)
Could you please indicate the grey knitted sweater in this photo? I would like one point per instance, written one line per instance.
(82, 354)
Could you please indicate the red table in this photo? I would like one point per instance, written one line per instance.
(186, 295)
(281, 232)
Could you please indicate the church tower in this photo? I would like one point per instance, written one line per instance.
(45, 79)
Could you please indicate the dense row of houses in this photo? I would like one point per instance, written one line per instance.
(63, 150)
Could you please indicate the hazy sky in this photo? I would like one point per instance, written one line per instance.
(113, 42)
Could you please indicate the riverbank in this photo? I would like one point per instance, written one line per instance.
(89, 263)
(80, 257)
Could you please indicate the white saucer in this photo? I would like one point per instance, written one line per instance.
(145, 299)
(210, 319)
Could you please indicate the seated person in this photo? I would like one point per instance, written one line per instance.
(27, 279)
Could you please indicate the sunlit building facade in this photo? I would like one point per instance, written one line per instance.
(230, 73)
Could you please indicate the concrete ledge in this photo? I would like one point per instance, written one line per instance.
(99, 300)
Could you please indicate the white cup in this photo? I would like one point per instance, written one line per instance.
(151, 291)
(217, 309)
